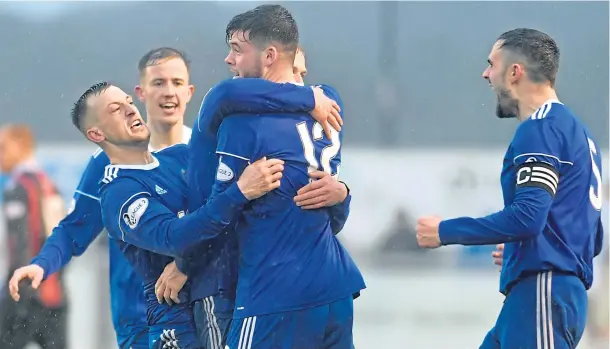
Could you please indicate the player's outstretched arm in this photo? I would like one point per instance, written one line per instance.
(260, 96)
(132, 214)
(537, 150)
(80, 227)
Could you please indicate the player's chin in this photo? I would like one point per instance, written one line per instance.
(169, 118)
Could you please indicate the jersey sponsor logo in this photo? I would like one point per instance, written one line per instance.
(224, 172)
(538, 174)
(135, 212)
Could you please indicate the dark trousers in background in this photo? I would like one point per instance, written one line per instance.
(27, 321)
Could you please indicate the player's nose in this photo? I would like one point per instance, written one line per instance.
(485, 74)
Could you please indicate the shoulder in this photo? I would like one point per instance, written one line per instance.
(120, 189)
(172, 150)
(238, 136)
(98, 161)
(331, 92)
(551, 117)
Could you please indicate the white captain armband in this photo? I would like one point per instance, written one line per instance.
(538, 174)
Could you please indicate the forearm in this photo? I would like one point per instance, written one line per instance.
(260, 95)
(339, 214)
(520, 221)
(174, 237)
(55, 253)
(253, 96)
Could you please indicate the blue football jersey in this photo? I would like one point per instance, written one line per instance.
(289, 258)
(211, 266)
(551, 183)
(554, 151)
(144, 208)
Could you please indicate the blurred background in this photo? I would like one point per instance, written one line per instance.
(421, 136)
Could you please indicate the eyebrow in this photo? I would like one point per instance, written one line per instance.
(128, 97)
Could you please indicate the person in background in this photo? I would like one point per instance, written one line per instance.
(32, 206)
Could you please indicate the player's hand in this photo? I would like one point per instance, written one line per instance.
(33, 272)
(427, 231)
(326, 112)
(324, 191)
(498, 254)
(260, 177)
(169, 284)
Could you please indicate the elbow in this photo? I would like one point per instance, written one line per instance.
(529, 220)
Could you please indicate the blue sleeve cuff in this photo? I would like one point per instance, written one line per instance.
(41, 262)
(182, 265)
(446, 232)
(228, 203)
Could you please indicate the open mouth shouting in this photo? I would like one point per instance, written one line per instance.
(136, 125)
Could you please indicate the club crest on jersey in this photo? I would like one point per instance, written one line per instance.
(224, 172)
(135, 212)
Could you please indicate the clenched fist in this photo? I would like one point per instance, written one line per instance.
(427, 232)
(260, 177)
(326, 112)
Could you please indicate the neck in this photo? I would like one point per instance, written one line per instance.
(282, 73)
(164, 135)
(533, 98)
(128, 155)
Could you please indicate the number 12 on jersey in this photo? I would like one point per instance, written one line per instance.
(308, 140)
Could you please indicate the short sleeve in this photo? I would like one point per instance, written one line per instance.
(237, 138)
(125, 208)
(537, 155)
(236, 146)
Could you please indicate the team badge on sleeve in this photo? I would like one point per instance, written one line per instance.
(224, 172)
(135, 212)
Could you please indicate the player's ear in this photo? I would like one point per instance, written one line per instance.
(516, 72)
(191, 92)
(95, 135)
(271, 55)
(139, 91)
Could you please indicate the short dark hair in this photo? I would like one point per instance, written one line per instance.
(536, 49)
(266, 24)
(79, 110)
(160, 55)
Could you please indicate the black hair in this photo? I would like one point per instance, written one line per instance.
(266, 24)
(79, 110)
(537, 50)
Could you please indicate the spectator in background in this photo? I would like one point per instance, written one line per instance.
(401, 234)
(32, 206)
